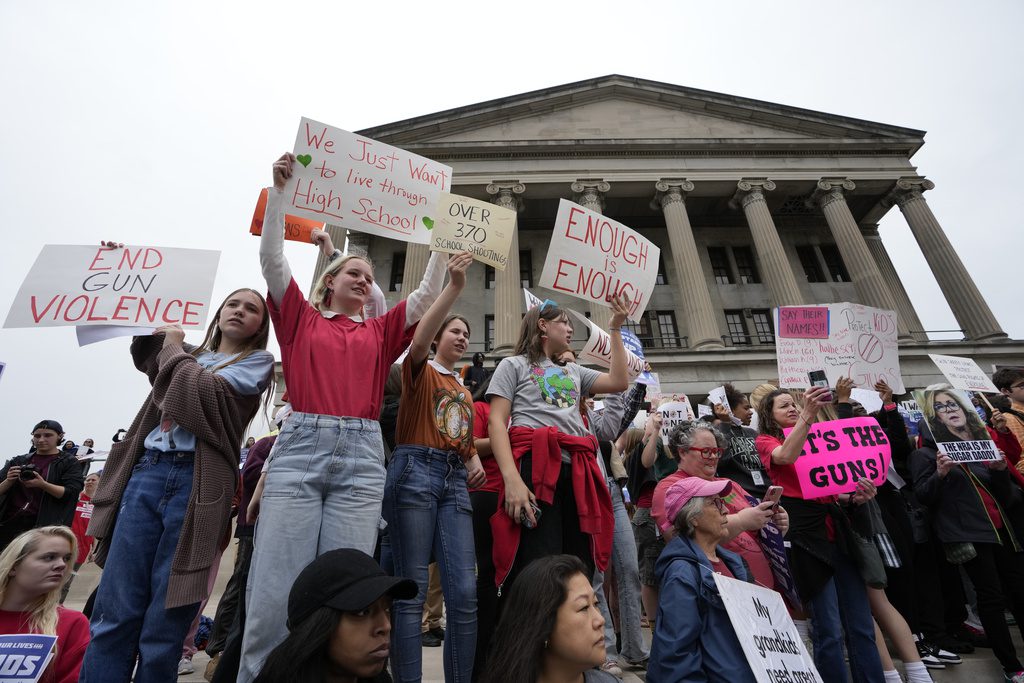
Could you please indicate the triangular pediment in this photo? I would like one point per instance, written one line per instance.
(623, 109)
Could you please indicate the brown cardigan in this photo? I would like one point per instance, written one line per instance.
(206, 405)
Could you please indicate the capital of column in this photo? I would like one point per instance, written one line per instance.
(505, 193)
(589, 192)
(830, 190)
(907, 190)
(749, 190)
(669, 191)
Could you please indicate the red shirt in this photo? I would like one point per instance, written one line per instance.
(785, 476)
(83, 513)
(481, 413)
(72, 639)
(720, 567)
(336, 366)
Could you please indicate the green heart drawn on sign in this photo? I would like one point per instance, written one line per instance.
(305, 159)
(429, 222)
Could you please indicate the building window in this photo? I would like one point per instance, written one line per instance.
(763, 326)
(834, 263)
(809, 260)
(661, 279)
(525, 268)
(667, 329)
(737, 328)
(745, 267)
(488, 333)
(488, 277)
(642, 329)
(720, 265)
(397, 271)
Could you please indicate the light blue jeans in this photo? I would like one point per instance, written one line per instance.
(129, 615)
(427, 508)
(627, 581)
(323, 491)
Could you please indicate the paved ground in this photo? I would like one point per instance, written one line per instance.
(980, 667)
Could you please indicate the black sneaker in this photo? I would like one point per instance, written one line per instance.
(945, 656)
(430, 639)
(951, 644)
(928, 656)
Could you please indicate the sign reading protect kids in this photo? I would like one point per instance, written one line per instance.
(594, 258)
(127, 286)
(364, 185)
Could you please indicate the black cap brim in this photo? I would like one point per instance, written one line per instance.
(364, 593)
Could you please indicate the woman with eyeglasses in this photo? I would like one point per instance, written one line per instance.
(699, 447)
(825, 573)
(976, 514)
(693, 638)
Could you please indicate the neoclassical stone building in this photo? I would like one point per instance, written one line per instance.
(753, 204)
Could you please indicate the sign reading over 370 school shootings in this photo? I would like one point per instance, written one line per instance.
(481, 228)
(596, 259)
(964, 373)
(844, 340)
(839, 453)
(24, 657)
(767, 634)
(128, 286)
(364, 185)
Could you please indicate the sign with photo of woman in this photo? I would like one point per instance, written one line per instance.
(955, 426)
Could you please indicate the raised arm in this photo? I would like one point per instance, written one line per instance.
(430, 325)
(275, 267)
(617, 377)
(430, 288)
(789, 451)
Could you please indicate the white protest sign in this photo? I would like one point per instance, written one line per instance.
(654, 387)
(717, 396)
(871, 401)
(598, 349)
(767, 634)
(364, 185)
(129, 286)
(482, 228)
(674, 412)
(532, 300)
(24, 657)
(964, 373)
(704, 410)
(594, 258)
(844, 340)
(90, 334)
(3, 366)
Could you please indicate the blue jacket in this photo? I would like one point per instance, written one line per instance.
(693, 639)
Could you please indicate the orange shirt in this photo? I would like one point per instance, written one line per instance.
(435, 410)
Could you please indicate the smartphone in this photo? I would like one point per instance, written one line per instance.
(819, 379)
(526, 520)
(772, 495)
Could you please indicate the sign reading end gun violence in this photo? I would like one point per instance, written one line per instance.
(596, 259)
(129, 286)
(481, 228)
(837, 454)
(364, 185)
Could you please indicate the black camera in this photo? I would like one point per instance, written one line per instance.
(28, 471)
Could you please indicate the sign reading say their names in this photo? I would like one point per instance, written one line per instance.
(767, 634)
(362, 184)
(964, 373)
(838, 453)
(24, 657)
(481, 228)
(594, 258)
(128, 286)
(598, 349)
(844, 340)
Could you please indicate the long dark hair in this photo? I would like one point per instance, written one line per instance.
(766, 423)
(530, 344)
(302, 656)
(517, 649)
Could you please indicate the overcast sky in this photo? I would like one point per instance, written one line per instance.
(156, 122)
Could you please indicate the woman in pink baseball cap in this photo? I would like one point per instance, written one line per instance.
(693, 637)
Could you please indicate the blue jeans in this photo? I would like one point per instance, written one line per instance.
(426, 505)
(627, 580)
(842, 605)
(129, 614)
(323, 491)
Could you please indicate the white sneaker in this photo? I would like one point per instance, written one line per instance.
(612, 667)
(185, 666)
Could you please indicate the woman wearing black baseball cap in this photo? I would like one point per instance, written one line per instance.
(339, 624)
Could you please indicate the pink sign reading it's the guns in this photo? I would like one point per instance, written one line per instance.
(839, 453)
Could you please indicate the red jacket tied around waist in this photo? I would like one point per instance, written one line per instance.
(593, 502)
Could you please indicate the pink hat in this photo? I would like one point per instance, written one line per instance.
(680, 493)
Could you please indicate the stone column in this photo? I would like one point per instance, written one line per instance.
(871, 288)
(691, 286)
(337, 234)
(589, 193)
(904, 307)
(416, 257)
(508, 288)
(775, 266)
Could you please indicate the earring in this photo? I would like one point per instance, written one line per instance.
(545, 644)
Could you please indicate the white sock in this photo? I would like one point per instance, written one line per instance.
(892, 676)
(917, 672)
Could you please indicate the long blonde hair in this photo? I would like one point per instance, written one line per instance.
(43, 610)
(321, 297)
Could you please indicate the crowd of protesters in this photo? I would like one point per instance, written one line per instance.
(559, 532)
